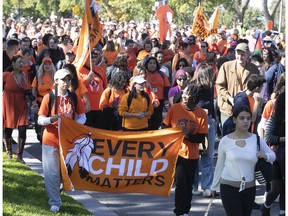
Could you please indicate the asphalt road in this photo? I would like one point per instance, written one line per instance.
(124, 204)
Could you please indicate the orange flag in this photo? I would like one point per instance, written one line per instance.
(90, 32)
(116, 161)
(201, 27)
(164, 15)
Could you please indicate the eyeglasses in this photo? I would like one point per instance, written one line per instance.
(181, 79)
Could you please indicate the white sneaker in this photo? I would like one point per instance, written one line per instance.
(264, 196)
(54, 208)
(196, 192)
(207, 193)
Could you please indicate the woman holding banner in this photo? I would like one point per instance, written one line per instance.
(61, 104)
(194, 121)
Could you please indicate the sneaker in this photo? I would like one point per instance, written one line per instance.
(207, 193)
(196, 192)
(54, 208)
(277, 199)
(264, 196)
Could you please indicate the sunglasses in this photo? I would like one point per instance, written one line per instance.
(203, 46)
(180, 79)
(181, 65)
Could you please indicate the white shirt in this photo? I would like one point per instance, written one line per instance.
(235, 162)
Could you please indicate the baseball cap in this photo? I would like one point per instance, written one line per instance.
(46, 59)
(242, 47)
(61, 74)
(138, 80)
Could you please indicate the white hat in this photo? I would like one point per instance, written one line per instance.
(61, 74)
(138, 80)
(267, 38)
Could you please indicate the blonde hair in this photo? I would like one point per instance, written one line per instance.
(41, 72)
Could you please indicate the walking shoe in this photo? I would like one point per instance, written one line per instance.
(264, 211)
(196, 192)
(207, 193)
(54, 208)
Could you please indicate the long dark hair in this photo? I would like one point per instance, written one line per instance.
(74, 81)
(133, 94)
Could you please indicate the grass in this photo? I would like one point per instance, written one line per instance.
(24, 193)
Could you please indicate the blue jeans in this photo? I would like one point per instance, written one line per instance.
(52, 177)
(206, 161)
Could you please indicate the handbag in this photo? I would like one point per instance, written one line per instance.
(263, 169)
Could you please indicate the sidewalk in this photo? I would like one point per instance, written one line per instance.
(120, 204)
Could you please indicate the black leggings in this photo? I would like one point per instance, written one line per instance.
(21, 130)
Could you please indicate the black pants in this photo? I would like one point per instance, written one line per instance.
(156, 118)
(237, 203)
(94, 119)
(184, 179)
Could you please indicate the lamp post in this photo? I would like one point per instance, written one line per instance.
(280, 16)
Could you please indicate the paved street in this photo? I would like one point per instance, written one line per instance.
(112, 204)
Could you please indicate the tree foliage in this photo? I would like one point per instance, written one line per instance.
(230, 12)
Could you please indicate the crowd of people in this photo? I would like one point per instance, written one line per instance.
(221, 86)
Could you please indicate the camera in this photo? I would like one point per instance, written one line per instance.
(30, 95)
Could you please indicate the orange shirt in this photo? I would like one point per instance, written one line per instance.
(222, 45)
(50, 135)
(110, 55)
(131, 60)
(142, 54)
(268, 109)
(110, 98)
(195, 121)
(168, 55)
(193, 49)
(199, 56)
(95, 87)
(157, 83)
(81, 89)
(44, 88)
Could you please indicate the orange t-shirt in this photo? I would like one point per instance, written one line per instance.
(268, 109)
(142, 54)
(110, 98)
(195, 121)
(157, 83)
(168, 55)
(44, 88)
(110, 55)
(95, 87)
(221, 46)
(193, 49)
(131, 60)
(50, 134)
(199, 56)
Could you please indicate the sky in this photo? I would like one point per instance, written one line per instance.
(255, 3)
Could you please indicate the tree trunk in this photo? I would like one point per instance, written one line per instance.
(270, 14)
(240, 8)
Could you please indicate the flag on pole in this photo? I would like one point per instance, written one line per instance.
(90, 32)
(213, 22)
(258, 45)
(164, 15)
(201, 27)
